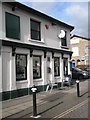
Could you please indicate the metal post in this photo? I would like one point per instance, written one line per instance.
(34, 101)
(78, 92)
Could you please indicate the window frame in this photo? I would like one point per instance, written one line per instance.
(64, 66)
(16, 67)
(40, 67)
(65, 39)
(39, 32)
(56, 66)
(17, 38)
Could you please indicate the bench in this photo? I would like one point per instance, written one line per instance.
(54, 84)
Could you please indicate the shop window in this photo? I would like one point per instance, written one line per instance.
(21, 67)
(36, 67)
(64, 40)
(35, 30)
(56, 66)
(65, 63)
(70, 66)
(12, 26)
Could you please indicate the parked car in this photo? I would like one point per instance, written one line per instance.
(79, 74)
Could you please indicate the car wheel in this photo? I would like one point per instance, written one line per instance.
(80, 77)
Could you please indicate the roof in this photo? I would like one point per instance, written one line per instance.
(80, 37)
(35, 12)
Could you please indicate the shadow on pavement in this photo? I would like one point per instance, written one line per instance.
(83, 94)
(51, 107)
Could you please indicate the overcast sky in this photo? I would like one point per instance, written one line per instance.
(72, 13)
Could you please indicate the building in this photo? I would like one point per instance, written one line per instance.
(31, 53)
(80, 46)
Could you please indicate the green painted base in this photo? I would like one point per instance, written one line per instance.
(21, 92)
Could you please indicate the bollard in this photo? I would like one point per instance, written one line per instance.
(34, 101)
(34, 89)
(78, 92)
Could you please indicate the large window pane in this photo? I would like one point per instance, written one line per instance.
(35, 30)
(36, 67)
(56, 67)
(35, 25)
(12, 26)
(70, 66)
(64, 40)
(35, 35)
(21, 67)
(65, 63)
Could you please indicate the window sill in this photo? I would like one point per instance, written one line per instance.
(65, 47)
(37, 41)
(57, 77)
(38, 80)
(21, 81)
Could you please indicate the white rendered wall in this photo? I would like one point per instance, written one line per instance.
(49, 37)
(0, 69)
(0, 20)
(6, 56)
(45, 71)
(61, 69)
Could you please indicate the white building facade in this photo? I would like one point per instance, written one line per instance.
(31, 53)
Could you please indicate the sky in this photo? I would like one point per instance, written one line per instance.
(72, 13)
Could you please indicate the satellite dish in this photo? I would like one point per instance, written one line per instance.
(61, 34)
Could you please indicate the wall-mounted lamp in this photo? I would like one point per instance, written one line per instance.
(53, 23)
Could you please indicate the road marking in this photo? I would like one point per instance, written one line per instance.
(70, 110)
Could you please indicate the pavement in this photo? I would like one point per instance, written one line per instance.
(61, 102)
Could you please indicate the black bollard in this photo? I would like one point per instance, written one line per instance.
(78, 92)
(34, 101)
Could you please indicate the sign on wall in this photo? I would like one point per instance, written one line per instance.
(82, 58)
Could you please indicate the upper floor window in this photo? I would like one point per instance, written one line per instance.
(12, 26)
(75, 51)
(35, 30)
(64, 40)
(56, 66)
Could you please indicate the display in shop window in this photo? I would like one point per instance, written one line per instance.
(36, 67)
(21, 67)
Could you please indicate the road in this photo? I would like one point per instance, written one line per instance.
(78, 111)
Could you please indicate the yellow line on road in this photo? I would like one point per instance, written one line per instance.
(70, 110)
